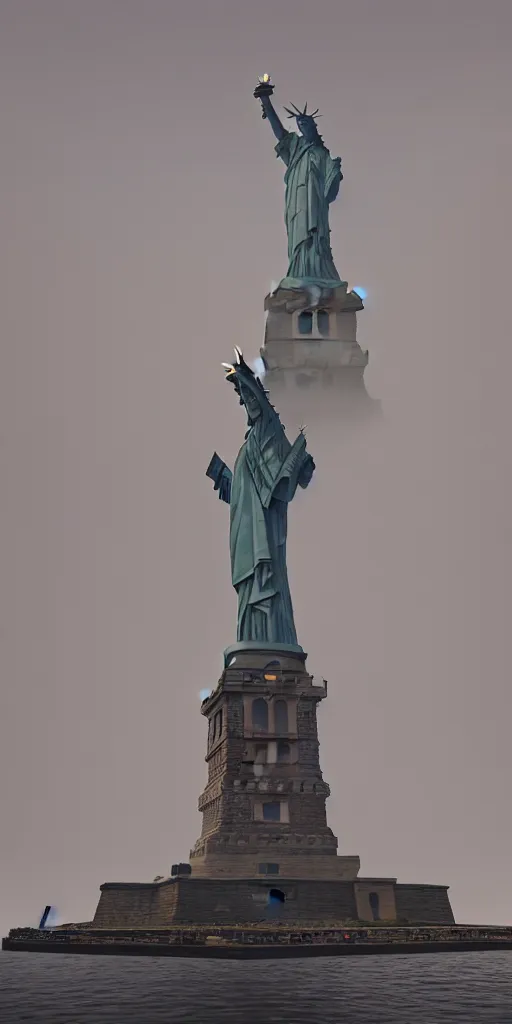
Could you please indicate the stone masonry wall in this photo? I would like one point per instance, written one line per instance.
(219, 804)
(137, 905)
(428, 904)
(217, 763)
(307, 730)
(125, 906)
(307, 810)
(167, 900)
(301, 863)
(236, 901)
(235, 713)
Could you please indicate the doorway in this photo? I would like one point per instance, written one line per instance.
(276, 899)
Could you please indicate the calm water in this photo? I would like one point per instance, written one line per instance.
(420, 989)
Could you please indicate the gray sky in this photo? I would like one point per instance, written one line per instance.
(142, 223)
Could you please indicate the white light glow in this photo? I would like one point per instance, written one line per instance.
(259, 367)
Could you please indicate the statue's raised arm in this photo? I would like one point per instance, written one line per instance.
(266, 475)
(263, 92)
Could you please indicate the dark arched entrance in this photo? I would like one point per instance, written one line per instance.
(276, 898)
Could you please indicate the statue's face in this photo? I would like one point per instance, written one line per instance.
(307, 128)
(251, 404)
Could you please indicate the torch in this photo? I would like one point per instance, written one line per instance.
(263, 88)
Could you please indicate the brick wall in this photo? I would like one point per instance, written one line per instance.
(306, 718)
(308, 810)
(211, 816)
(216, 763)
(237, 809)
(235, 714)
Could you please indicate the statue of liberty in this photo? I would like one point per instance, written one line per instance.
(312, 182)
(267, 472)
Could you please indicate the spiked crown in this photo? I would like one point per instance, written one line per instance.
(296, 113)
(241, 375)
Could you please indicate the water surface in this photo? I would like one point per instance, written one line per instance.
(419, 989)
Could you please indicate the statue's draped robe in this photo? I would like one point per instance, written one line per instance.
(312, 182)
(265, 478)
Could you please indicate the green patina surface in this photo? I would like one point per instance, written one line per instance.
(265, 478)
(312, 180)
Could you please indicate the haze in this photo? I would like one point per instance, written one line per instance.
(142, 224)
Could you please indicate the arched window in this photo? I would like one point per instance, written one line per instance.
(281, 716)
(322, 320)
(283, 753)
(260, 714)
(373, 900)
(305, 322)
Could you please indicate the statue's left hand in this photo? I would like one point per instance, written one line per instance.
(221, 476)
(224, 486)
(307, 472)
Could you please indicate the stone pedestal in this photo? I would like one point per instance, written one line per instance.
(264, 803)
(265, 848)
(235, 901)
(312, 358)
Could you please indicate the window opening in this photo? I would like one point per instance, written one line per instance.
(272, 811)
(260, 714)
(305, 322)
